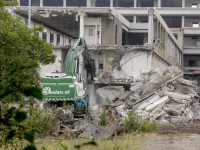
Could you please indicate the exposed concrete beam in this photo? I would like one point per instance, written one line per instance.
(48, 26)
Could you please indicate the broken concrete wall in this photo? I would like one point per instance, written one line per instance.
(109, 28)
(132, 63)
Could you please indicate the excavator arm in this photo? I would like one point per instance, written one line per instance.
(80, 48)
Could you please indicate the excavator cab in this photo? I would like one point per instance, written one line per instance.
(80, 106)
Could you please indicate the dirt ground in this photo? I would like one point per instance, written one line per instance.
(174, 138)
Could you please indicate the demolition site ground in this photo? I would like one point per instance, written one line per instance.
(173, 137)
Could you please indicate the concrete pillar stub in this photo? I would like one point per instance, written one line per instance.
(81, 33)
(61, 40)
(183, 3)
(159, 3)
(41, 3)
(55, 38)
(111, 3)
(183, 21)
(64, 3)
(88, 3)
(48, 36)
(134, 19)
(135, 3)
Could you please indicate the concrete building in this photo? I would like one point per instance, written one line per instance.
(169, 28)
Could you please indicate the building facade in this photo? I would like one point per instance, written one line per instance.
(170, 27)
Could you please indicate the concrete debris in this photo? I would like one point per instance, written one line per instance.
(163, 95)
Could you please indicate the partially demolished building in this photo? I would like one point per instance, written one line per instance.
(140, 49)
(107, 26)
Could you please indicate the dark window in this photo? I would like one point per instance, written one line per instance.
(33, 2)
(76, 3)
(100, 66)
(116, 34)
(192, 63)
(52, 2)
(44, 35)
(195, 37)
(102, 3)
(58, 39)
(147, 4)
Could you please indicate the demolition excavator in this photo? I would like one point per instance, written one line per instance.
(68, 87)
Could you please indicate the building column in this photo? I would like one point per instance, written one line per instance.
(48, 36)
(183, 3)
(135, 3)
(40, 35)
(18, 2)
(66, 41)
(134, 19)
(88, 3)
(61, 40)
(64, 3)
(55, 38)
(150, 26)
(81, 33)
(183, 21)
(159, 3)
(41, 3)
(111, 3)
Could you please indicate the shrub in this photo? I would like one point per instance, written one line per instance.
(103, 118)
(132, 124)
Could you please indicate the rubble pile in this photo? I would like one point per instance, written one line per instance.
(161, 95)
(164, 96)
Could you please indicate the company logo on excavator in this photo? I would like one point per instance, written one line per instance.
(47, 90)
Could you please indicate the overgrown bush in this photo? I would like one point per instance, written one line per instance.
(103, 118)
(133, 124)
(38, 120)
(36, 123)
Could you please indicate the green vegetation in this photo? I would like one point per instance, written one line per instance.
(103, 118)
(132, 124)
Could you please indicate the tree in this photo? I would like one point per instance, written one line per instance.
(21, 53)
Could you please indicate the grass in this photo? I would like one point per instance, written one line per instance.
(123, 142)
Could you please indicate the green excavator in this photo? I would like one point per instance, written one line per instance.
(68, 86)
